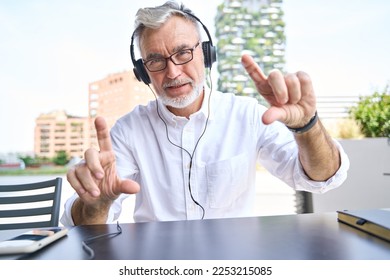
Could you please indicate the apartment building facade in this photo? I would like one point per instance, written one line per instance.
(114, 96)
(56, 131)
(110, 97)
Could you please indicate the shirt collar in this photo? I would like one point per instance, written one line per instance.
(207, 105)
(203, 111)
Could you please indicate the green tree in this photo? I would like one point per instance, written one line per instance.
(61, 158)
(28, 160)
(372, 113)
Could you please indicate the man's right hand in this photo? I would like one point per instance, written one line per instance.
(96, 181)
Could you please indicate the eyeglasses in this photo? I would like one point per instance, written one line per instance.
(178, 58)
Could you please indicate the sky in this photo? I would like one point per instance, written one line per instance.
(51, 50)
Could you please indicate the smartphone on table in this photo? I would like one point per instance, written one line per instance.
(32, 240)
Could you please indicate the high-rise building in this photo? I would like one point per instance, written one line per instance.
(57, 131)
(252, 26)
(114, 96)
(111, 98)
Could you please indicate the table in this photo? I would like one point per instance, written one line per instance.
(301, 237)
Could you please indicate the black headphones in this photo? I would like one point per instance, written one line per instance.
(209, 53)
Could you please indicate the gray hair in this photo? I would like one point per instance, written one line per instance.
(155, 17)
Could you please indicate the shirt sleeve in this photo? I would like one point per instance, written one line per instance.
(66, 218)
(302, 182)
(113, 214)
(278, 153)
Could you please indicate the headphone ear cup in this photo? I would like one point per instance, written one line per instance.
(209, 54)
(140, 72)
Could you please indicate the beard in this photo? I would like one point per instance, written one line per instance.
(183, 101)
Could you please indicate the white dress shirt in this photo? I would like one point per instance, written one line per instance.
(222, 176)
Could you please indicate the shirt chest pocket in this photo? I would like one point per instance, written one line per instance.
(226, 180)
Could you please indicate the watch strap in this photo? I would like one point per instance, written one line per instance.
(310, 124)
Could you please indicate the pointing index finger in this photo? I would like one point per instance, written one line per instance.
(103, 135)
(253, 69)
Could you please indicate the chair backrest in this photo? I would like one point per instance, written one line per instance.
(31, 205)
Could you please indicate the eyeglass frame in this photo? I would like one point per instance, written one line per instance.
(170, 58)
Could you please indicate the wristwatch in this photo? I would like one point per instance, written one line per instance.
(310, 124)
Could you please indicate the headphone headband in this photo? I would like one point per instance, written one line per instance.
(209, 54)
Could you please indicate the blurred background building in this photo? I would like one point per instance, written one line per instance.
(252, 26)
(114, 96)
(110, 97)
(57, 131)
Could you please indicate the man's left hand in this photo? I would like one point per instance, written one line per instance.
(291, 97)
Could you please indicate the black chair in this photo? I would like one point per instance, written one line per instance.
(31, 205)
